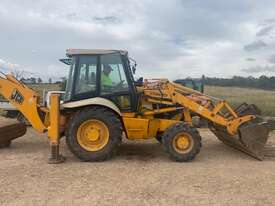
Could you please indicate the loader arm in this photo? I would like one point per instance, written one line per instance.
(241, 130)
(215, 110)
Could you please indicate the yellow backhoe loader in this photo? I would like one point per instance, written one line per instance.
(103, 101)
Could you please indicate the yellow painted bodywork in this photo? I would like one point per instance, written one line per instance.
(29, 106)
(93, 135)
(178, 101)
(54, 114)
(142, 128)
(27, 101)
(164, 92)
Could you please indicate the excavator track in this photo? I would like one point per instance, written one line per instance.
(10, 129)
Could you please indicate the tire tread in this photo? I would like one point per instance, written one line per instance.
(113, 123)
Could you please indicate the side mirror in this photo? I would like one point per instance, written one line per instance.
(139, 82)
(134, 69)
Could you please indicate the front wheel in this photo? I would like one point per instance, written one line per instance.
(94, 134)
(182, 142)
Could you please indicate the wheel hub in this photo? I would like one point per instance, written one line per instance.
(93, 135)
(182, 143)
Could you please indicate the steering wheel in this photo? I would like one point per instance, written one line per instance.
(119, 85)
(116, 87)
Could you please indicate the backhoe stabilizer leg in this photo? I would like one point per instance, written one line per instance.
(53, 131)
(56, 157)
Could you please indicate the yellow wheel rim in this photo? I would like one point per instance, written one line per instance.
(183, 143)
(93, 135)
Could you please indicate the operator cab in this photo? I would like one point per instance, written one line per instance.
(101, 73)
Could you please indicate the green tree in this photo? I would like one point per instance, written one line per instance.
(39, 80)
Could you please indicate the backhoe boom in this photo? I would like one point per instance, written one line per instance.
(24, 99)
(28, 103)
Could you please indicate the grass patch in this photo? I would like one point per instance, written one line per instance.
(264, 99)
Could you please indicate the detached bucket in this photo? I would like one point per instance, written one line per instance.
(251, 139)
(10, 129)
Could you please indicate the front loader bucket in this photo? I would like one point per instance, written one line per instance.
(251, 138)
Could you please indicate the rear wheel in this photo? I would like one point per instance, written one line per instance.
(94, 134)
(182, 142)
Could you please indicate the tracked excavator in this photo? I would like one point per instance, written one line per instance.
(103, 103)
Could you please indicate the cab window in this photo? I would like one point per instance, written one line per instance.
(114, 84)
(113, 78)
(86, 78)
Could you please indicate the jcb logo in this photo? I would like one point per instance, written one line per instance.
(16, 96)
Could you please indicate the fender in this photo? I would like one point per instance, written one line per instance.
(92, 101)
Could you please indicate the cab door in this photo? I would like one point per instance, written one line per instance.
(85, 77)
(114, 81)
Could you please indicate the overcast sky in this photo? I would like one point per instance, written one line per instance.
(173, 39)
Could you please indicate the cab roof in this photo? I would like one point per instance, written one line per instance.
(71, 52)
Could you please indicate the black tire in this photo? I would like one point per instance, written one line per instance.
(159, 138)
(193, 135)
(109, 118)
(5, 144)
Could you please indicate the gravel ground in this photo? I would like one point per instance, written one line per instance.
(141, 174)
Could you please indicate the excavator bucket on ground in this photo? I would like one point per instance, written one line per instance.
(10, 129)
(252, 136)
